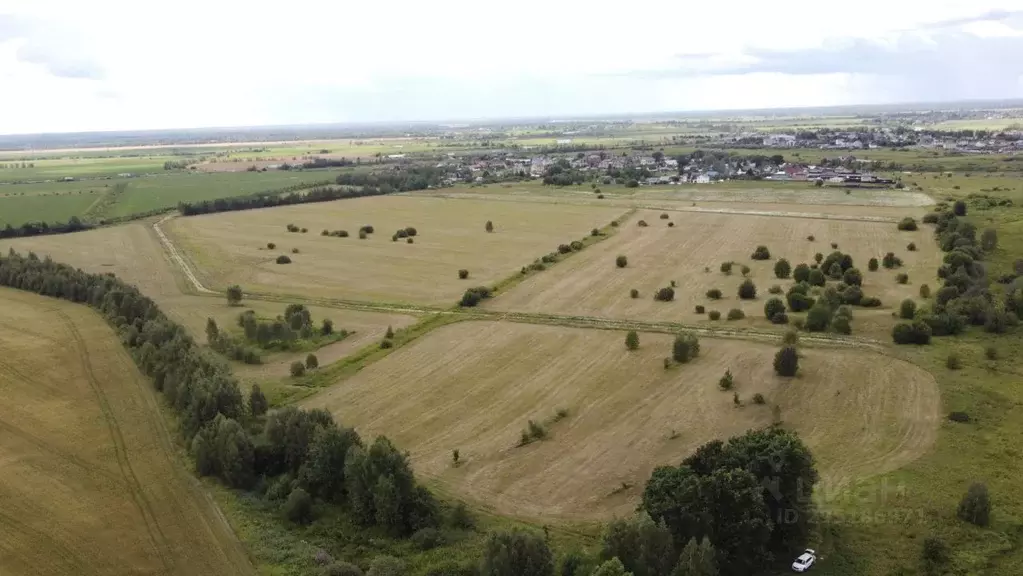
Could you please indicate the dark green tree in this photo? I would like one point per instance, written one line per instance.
(323, 469)
(697, 559)
(786, 361)
(975, 507)
(234, 295)
(685, 348)
(257, 401)
(516, 553)
(299, 507)
(782, 268)
(801, 273)
(632, 340)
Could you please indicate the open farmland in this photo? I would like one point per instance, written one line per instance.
(592, 285)
(90, 483)
(231, 248)
(473, 386)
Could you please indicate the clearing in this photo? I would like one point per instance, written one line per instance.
(90, 482)
(473, 386)
(590, 284)
(231, 248)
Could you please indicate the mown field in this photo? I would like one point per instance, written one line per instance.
(691, 252)
(231, 248)
(474, 385)
(91, 482)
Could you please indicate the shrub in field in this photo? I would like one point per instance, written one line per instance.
(834, 245)
(411, 231)
(576, 245)
(474, 296)
(595, 232)
(297, 369)
(935, 556)
(761, 253)
(409, 240)
(791, 338)
(634, 293)
(294, 250)
(489, 226)
(782, 268)
(961, 417)
(853, 277)
(727, 381)
(714, 315)
(600, 196)
(818, 318)
(917, 332)
(852, 295)
(786, 362)
(780, 318)
(959, 208)
(872, 265)
(282, 259)
(817, 278)
(621, 261)
(841, 325)
(714, 294)
(911, 247)
(835, 271)
(902, 278)
(367, 229)
(870, 302)
(810, 238)
(642, 224)
(907, 310)
(700, 309)
(776, 289)
(564, 248)
(632, 340)
(975, 507)
(270, 245)
(907, 224)
(234, 295)
(668, 363)
(664, 216)
(685, 348)
(801, 273)
(818, 257)
(989, 239)
(342, 233)
(299, 507)
(463, 274)
(736, 314)
(401, 234)
(953, 361)
(386, 344)
(991, 353)
(312, 362)
(671, 224)
(614, 223)
(292, 228)
(758, 398)
(773, 306)
(798, 301)
(747, 290)
(325, 232)
(362, 235)
(726, 267)
(931, 218)
(666, 294)
(925, 291)
(890, 261)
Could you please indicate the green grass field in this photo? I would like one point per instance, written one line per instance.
(55, 169)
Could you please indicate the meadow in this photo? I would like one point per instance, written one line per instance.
(624, 413)
(91, 483)
(231, 248)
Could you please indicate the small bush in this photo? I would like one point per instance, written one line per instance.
(325, 232)
(401, 234)
(271, 245)
(312, 362)
(931, 218)
(818, 318)
(801, 273)
(297, 369)
(870, 302)
(294, 250)
(410, 231)
(925, 291)
(991, 353)
(367, 229)
(959, 208)
(632, 340)
(890, 261)
(463, 274)
(700, 309)
(685, 348)
(427, 538)
(935, 556)
(386, 344)
(714, 315)
(907, 224)
(834, 245)
(917, 332)
(666, 294)
(773, 306)
(634, 293)
(714, 294)
(614, 223)
(902, 278)
(953, 361)
(872, 265)
(911, 247)
(975, 507)
(841, 325)
(668, 363)
(726, 267)
(810, 238)
(671, 224)
(747, 290)
(600, 196)
(745, 270)
(664, 216)
(489, 226)
(473, 296)
(342, 233)
(758, 398)
(362, 235)
(786, 362)
(761, 253)
(299, 507)
(727, 381)
(776, 289)
(817, 278)
(780, 318)
(642, 224)
(907, 310)
(576, 245)
(410, 240)
(782, 268)
(621, 261)
(961, 417)
(736, 314)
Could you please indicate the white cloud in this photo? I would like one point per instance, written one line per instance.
(121, 64)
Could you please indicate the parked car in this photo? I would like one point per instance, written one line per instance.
(805, 561)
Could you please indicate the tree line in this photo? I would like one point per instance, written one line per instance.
(74, 224)
(294, 454)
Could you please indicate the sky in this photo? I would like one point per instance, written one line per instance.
(69, 65)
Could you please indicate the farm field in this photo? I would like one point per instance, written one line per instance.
(591, 284)
(90, 482)
(16, 210)
(231, 248)
(473, 386)
(75, 167)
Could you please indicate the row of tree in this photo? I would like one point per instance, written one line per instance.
(74, 224)
(299, 452)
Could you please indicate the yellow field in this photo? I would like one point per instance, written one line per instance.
(591, 284)
(230, 248)
(89, 482)
(473, 386)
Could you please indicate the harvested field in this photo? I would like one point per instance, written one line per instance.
(473, 386)
(590, 284)
(90, 482)
(231, 248)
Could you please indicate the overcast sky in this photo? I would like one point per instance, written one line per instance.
(72, 65)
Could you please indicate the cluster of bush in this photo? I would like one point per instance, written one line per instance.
(228, 346)
(283, 332)
(407, 232)
(761, 253)
(294, 456)
(335, 233)
(74, 224)
(474, 296)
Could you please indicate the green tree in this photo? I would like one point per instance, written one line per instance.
(786, 361)
(645, 547)
(323, 469)
(234, 295)
(801, 273)
(297, 369)
(612, 567)
(621, 261)
(727, 381)
(387, 505)
(632, 340)
(327, 328)
(212, 331)
(489, 227)
(782, 268)
(685, 348)
(516, 553)
(257, 401)
(299, 507)
(773, 307)
(816, 278)
(818, 318)
(872, 265)
(907, 310)
(853, 277)
(311, 362)
(697, 559)
(747, 290)
(975, 507)
(959, 208)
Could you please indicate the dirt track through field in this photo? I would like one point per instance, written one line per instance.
(89, 482)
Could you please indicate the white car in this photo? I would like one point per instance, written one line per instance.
(805, 561)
